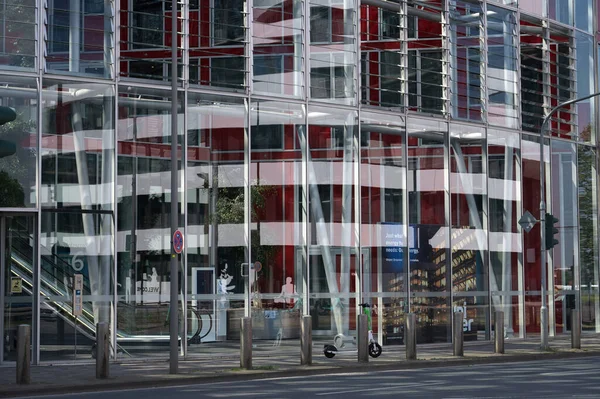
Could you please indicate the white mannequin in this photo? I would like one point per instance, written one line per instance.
(287, 290)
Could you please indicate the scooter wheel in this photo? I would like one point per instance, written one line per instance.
(375, 349)
(329, 351)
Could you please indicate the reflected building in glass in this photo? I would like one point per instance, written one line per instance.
(367, 151)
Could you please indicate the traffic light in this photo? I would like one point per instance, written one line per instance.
(551, 230)
(7, 147)
(7, 114)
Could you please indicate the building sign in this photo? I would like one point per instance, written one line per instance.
(16, 285)
(78, 295)
(394, 243)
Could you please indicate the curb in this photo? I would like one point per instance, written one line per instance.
(113, 384)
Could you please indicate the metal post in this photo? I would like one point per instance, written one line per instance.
(410, 336)
(246, 343)
(173, 306)
(457, 336)
(24, 354)
(102, 350)
(306, 341)
(363, 339)
(499, 332)
(575, 330)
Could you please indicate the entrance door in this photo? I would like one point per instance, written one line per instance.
(17, 260)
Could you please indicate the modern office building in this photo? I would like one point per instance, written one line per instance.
(379, 151)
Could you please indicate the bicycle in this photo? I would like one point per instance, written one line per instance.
(203, 319)
(374, 348)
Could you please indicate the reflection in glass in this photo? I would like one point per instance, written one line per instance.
(331, 155)
(588, 238)
(277, 220)
(17, 266)
(427, 205)
(332, 51)
(502, 67)
(564, 207)
(18, 144)
(468, 195)
(504, 177)
(78, 158)
(383, 221)
(80, 37)
(143, 212)
(216, 247)
(18, 30)
(277, 24)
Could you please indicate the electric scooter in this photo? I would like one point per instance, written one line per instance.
(374, 348)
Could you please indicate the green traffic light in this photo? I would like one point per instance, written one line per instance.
(7, 114)
(551, 230)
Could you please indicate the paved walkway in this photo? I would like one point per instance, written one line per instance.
(221, 363)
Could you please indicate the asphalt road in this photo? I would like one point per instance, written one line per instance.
(569, 378)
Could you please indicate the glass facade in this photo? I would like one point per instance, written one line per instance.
(330, 153)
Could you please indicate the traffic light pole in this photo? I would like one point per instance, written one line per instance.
(544, 307)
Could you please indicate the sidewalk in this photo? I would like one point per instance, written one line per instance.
(208, 366)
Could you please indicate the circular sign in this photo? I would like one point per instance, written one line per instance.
(178, 241)
(257, 266)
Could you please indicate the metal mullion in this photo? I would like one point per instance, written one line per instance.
(249, 4)
(446, 54)
(483, 71)
(2, 284)
(184, 209)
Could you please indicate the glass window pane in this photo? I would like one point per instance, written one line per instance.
(18, 33)
(79, 37)
(18, 143)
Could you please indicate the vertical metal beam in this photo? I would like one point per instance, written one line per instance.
(411, 336)
(173, 305)
(74, 34)
(3, 283)
(306, 340)
(499, 332)
(458, 336)
(24, 354)
(102, 350)
(363, 338)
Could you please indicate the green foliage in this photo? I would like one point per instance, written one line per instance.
(16, 168)
(11, 192)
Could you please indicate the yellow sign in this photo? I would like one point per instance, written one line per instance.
(16, 285)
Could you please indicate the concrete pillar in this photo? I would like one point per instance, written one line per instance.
(575, 330)
(363, 339)
(410, 336)
(499, 332)
(306, 341)
(457, 336)
(24, 354)
(102, 350)
(246, 343)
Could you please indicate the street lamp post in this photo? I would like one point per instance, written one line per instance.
(174, 269)
(544, 307)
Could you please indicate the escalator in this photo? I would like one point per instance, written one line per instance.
(56, 279)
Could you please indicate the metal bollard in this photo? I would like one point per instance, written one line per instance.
(246, 343)
(457, 336)
(102, 350)
(306, 340)
(363, 339)
(575, 330)
(410, 332)
(499, 332)
(24, 354)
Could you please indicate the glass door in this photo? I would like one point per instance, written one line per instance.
(17, 260)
